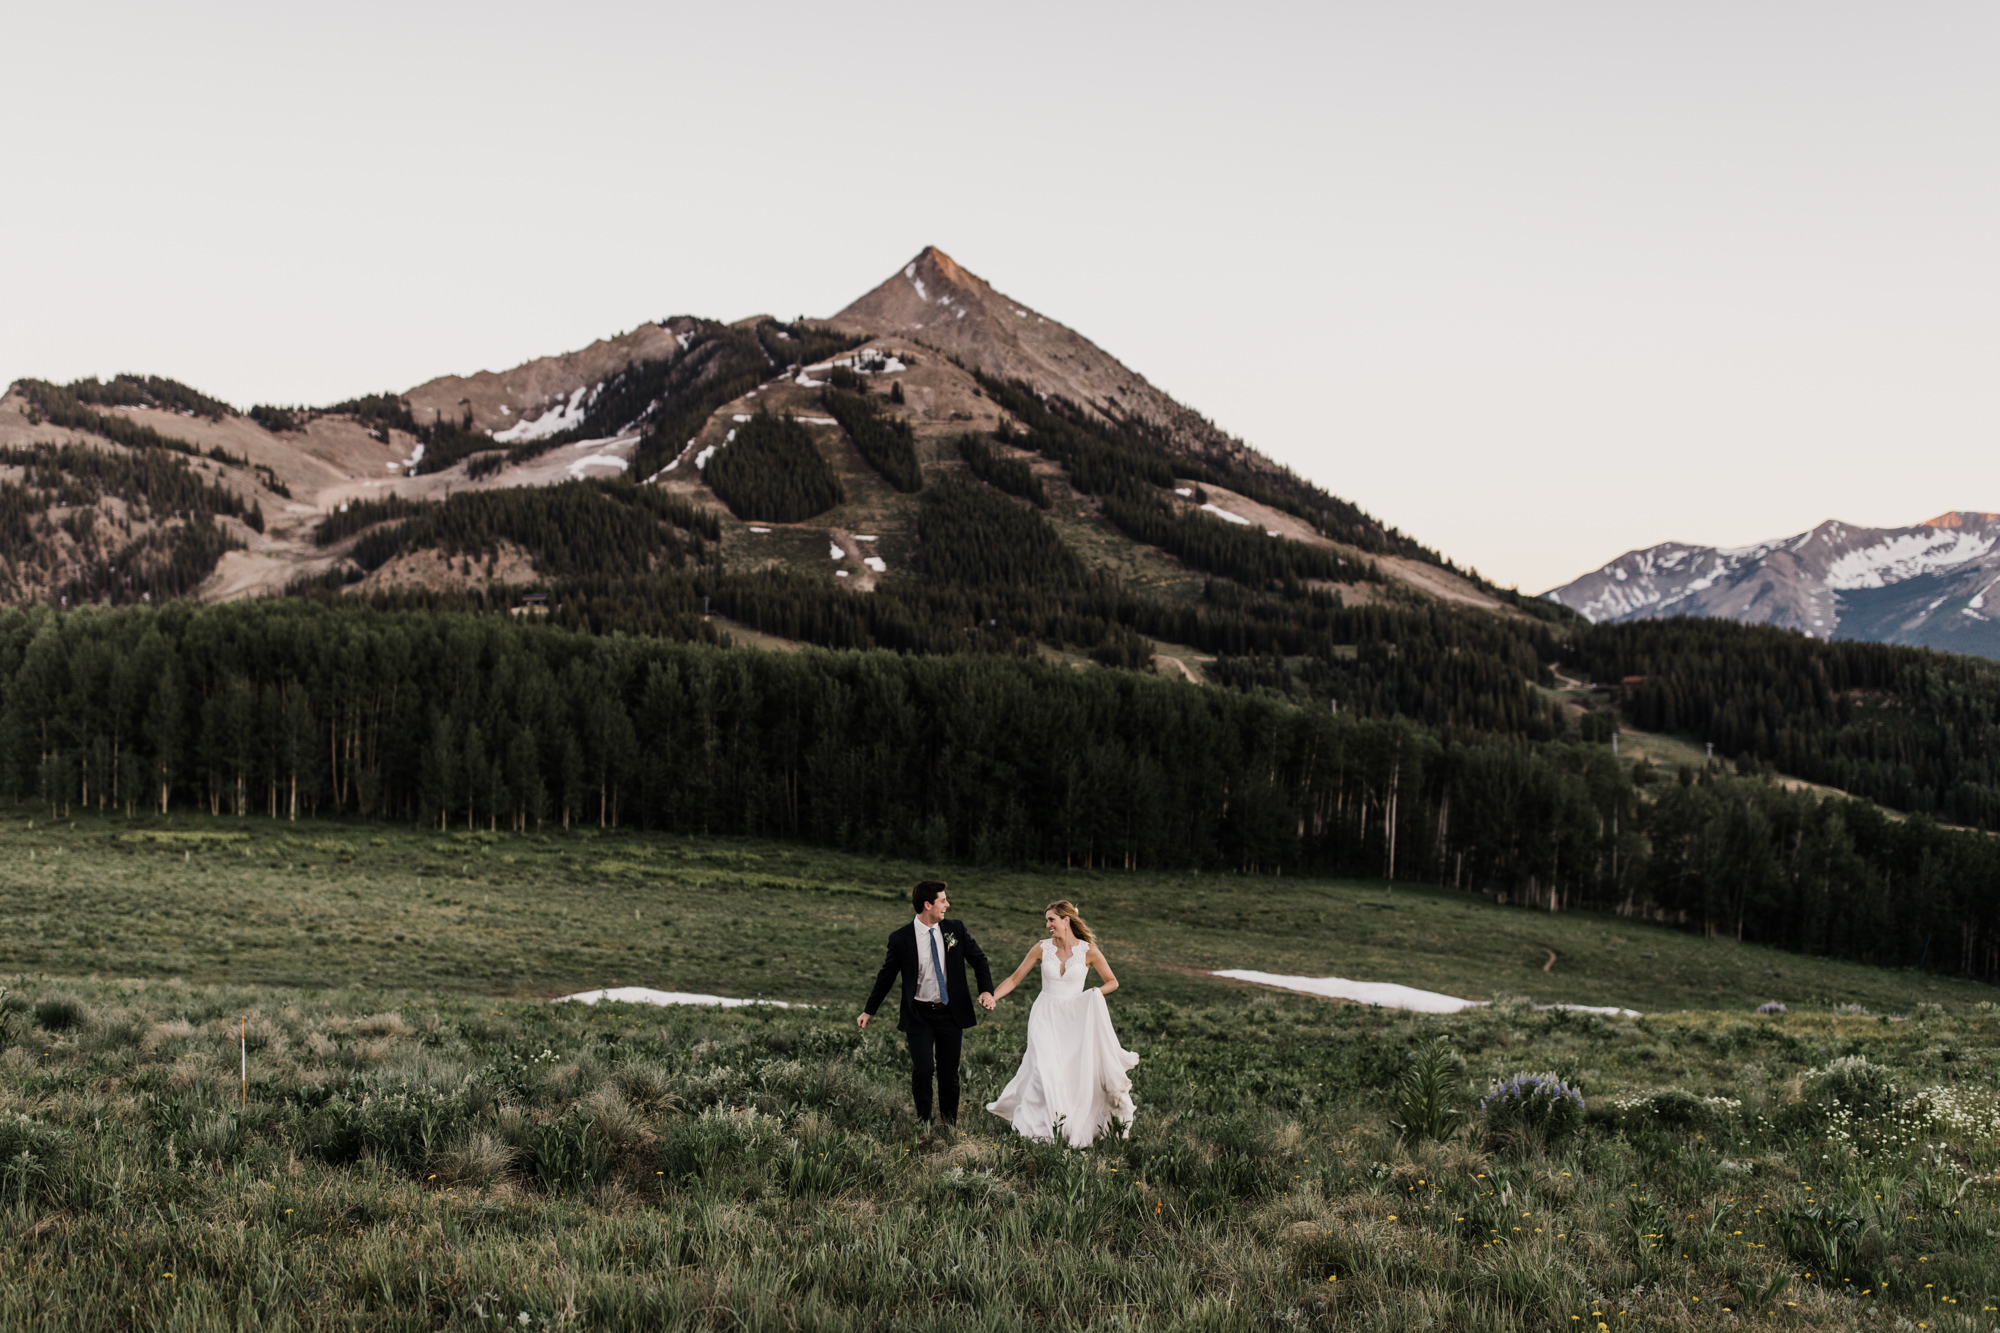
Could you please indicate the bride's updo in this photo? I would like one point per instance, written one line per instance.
(1077, 926)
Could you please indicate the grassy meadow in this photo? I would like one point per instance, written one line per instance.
(426, 1143)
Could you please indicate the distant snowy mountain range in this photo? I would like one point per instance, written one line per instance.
(1936, 584)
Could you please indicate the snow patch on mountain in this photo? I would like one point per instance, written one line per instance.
(558, 418)
(1905, 556)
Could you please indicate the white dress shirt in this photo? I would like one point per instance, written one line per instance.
(927, 982)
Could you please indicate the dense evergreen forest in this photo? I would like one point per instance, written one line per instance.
(971, 535)
(1912, 728)
(578, 529)
(769, 471)
(295, 709)
(1010, 474)
(888, 443)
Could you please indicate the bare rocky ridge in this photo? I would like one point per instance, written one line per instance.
(1935, 583)
(503, 399)
(935, 301)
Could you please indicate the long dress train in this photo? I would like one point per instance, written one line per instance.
(1074, 1071)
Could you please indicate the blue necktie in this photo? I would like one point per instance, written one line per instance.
(937, 967)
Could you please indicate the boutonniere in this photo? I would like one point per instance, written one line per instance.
(950, 941)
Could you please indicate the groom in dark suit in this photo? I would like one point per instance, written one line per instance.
(931, 953)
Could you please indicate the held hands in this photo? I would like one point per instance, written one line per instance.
(986, 1000)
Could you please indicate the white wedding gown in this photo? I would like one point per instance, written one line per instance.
(1074, 1070)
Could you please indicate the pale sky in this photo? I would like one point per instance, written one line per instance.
(1538, 283)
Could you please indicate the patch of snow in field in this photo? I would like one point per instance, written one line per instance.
(1389, 995)
(760, 529)
(1022, 313)
(684, 339)
(646, 995)
(806, 381)
(416, 457)
(840, 573)
(1226, 516)
(835, 553)
(1905, 557)
(1978, 602)
(918, 283)
(817, 421)
(910, 269)
(858, 537)
(876, 563)
(1183, 490)
(740, 416)
(599, 460)
(394, 467)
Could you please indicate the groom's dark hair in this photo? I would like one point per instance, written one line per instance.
(922, 896)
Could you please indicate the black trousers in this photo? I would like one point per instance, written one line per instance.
(935, 1042)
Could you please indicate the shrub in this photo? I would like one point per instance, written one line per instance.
(1853, 1085)
(32, 1155)
(1536, 1104)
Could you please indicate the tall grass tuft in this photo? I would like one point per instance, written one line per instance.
(60, 1013)
(1424, 1093)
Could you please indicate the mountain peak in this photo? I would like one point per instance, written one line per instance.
(947, 267)
(938, 301)
(1960, 518)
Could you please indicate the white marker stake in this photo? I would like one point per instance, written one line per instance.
(244, 1036)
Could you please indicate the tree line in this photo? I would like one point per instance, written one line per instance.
(297, 709)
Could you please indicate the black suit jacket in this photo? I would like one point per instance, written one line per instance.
(902, 957)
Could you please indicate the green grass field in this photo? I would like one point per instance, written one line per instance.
(426, 1144)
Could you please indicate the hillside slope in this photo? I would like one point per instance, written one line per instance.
(654, 405)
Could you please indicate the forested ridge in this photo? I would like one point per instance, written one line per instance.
(1913, 728)
(162, 545)
(1108, 455)
(573, 530)
(296, 709)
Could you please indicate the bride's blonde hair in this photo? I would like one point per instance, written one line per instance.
(1078, 927)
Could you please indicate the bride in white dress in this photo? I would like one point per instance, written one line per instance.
(1074, 1072)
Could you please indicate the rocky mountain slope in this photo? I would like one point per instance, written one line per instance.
(1931, 584)
(282, 496)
